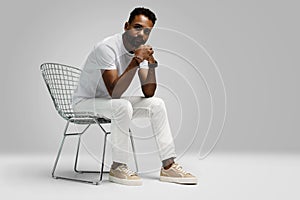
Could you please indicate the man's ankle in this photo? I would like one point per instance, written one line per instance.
(168, 163)
(116, 164)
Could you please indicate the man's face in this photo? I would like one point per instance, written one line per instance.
(138, 31)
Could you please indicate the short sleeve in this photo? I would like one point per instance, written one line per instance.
(105, 57)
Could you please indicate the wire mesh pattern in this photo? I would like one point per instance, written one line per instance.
(61, 81)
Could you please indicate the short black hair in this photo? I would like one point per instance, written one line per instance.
(142, 11)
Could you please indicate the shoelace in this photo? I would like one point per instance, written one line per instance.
(180, 169)
(126, 170)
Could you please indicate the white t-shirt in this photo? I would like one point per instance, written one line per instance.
(108, 54)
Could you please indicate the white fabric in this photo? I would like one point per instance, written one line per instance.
(108, 54)
(122, 111)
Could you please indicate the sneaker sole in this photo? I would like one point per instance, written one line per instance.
(187, 181)
(125, 181)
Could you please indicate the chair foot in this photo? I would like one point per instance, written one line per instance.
(79, 172)
(95, 183)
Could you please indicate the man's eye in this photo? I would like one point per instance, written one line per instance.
(147, 31)
(138, 28)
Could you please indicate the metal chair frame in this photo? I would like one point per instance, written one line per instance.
(61, 80)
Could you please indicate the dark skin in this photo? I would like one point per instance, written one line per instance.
(134, 38)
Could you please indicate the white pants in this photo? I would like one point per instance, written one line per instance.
(122, 111)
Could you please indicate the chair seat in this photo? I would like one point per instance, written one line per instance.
(89, 120)
(85, 118)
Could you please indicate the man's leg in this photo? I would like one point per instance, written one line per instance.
(154, 109)
(120, 112)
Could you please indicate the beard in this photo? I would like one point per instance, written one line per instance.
(135, 42)
(138, 43)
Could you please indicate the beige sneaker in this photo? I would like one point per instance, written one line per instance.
(125, 176)
(175, 174)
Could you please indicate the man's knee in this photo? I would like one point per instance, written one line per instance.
(157, 104)
(122, 107)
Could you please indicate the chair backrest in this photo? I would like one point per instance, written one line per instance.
(61, 80)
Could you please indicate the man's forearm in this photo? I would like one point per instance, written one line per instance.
(149, 85)
(121, 84)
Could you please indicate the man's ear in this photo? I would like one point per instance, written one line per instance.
(126, 26)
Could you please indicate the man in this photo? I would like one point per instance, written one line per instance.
(108, 71)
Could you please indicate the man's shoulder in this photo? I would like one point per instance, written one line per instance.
(112, 41)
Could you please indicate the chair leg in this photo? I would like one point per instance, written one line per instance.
(60, 149)
(103, 156)
(58, 156)
(77, 157)
(103, 159)
(133, 150)
(77, 153)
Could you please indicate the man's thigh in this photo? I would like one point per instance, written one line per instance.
(143, 107)
(103, 107)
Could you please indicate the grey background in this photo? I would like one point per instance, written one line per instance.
(254, 43)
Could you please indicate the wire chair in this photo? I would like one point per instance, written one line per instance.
(61, 80)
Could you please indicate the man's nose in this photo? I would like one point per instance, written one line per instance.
(141, 32)
(143, 35)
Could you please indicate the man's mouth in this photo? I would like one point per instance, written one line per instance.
(139, 42)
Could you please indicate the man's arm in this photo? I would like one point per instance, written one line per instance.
(117, 85)
(148, 79)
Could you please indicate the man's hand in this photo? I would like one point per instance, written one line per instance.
(151, 59)
(144, 52)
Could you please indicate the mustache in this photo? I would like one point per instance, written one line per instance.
(138, 39)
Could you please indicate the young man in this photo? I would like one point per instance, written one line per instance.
(108, 71)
